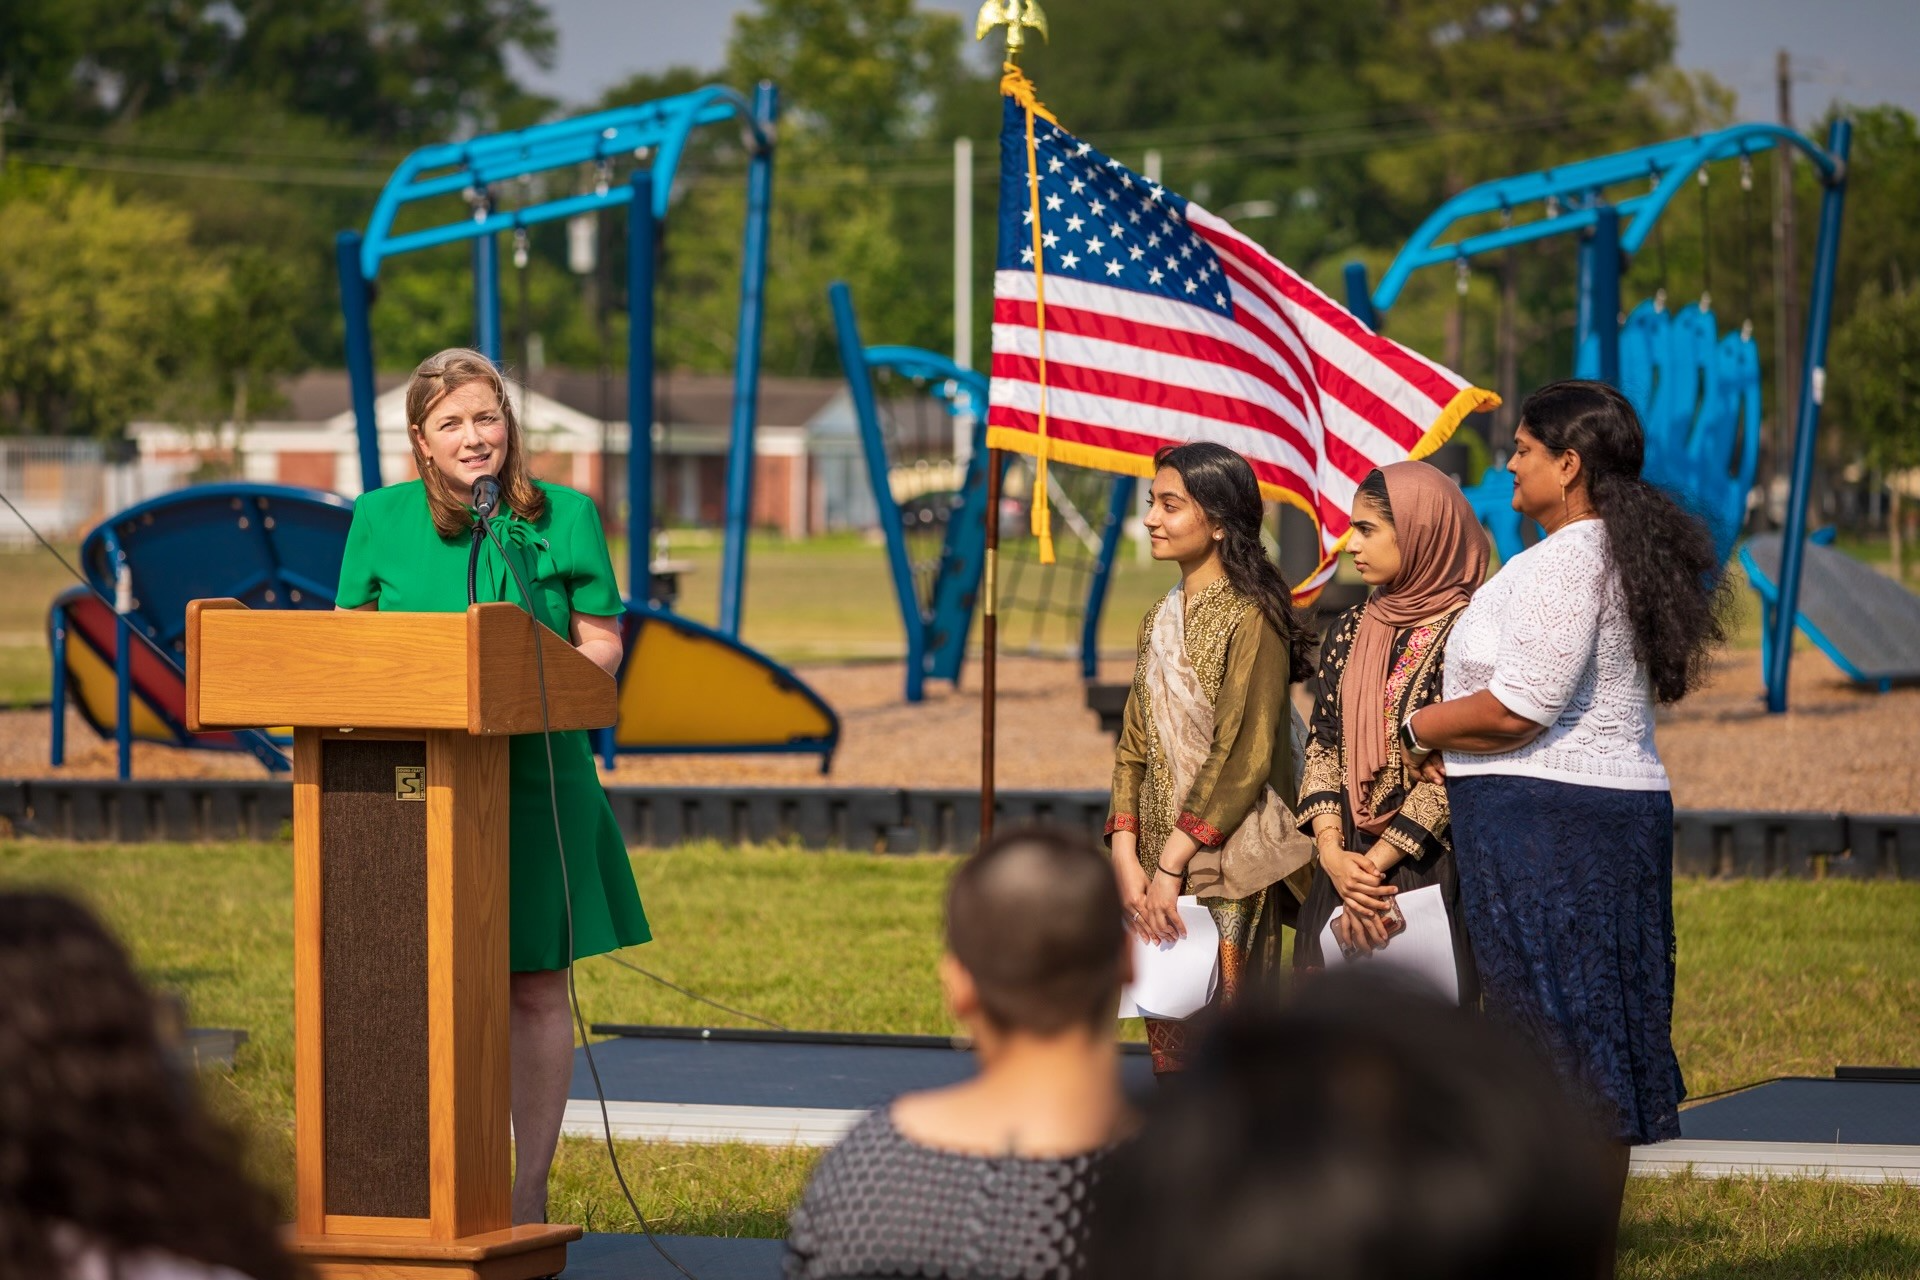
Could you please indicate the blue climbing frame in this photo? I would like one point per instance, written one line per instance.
(653, 136)
(1574, 200)
(937, 634)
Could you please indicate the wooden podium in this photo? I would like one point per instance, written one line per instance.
(401, 1088)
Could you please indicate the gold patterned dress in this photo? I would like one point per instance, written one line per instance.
(1420, 828)
(1242, 665)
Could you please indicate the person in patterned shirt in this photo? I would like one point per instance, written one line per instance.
(1378, 829)
(1205, 775)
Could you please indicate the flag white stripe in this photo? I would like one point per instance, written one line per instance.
(1146, 420)
(1338, 349)
(1154, 366)
(1131, 307)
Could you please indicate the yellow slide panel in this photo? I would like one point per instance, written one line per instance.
(683, 688)
(90, 682)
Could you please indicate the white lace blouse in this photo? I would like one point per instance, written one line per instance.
(1549, 636)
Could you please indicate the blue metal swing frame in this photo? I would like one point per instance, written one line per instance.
(1574, 200)
(655, 136)
(937, 634)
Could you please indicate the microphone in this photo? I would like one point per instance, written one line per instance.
(486, 496)
(486, 500)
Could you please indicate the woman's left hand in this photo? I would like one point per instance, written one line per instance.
(1431, 767)
(1160, 921)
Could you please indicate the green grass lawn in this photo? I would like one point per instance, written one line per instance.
(1775, 978)
(29, 580)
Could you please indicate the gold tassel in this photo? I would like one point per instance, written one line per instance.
(1014, 84)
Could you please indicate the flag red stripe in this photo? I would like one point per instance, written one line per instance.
(1139, 333)
(1416, 373)
(1105, 436)
(1152, 394)
(1342, 386)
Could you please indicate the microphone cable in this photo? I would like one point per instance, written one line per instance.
(566, 894)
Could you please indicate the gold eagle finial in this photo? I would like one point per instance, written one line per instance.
(1017, 17)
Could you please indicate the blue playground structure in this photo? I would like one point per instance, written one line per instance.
(758, 706)
(1867, 623)
(1697, 390)
(270, 546)
(936, 540)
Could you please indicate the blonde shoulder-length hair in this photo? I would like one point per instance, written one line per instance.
(448, 371)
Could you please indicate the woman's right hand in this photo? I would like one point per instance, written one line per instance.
(1362, 887)
(1131, 878)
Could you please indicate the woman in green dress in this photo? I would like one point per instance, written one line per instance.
(1204, 777)
(407, 551)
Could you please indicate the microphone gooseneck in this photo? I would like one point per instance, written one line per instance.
(486, 501)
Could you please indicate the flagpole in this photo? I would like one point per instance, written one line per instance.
(989, 643)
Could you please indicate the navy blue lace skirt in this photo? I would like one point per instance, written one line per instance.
(1568, 897)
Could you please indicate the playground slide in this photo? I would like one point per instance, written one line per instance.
(84, 635)
(686, 687)
(1862, 619)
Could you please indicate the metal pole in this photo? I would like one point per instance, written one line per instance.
(1119, 506)
(57, 747)
(123, 668)
(963, 286)
(641, 247)
(1812, 390)
(486, 296)
(1602, 278)
(746, 366)
(860, 386)
(1150, 168)
(989, 643)
(354, 305)
(1786, 283)
(1359, 300)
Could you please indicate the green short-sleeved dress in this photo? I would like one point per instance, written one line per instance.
(398, 560)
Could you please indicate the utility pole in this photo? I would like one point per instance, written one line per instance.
(1786, 287)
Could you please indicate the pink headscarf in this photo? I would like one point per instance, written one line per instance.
(1443, 557)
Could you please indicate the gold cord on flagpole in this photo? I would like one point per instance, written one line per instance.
(1018, 18)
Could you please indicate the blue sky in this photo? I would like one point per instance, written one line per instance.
(1857, 50)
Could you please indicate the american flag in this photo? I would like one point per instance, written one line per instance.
(1163, 324)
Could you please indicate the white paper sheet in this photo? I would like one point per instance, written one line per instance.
(1423, 954)
(1174, 980)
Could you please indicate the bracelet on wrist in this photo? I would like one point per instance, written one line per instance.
(1177, 875)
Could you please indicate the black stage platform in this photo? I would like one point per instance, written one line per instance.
(622, 1257)
(1811, 1109)
(784, 1072)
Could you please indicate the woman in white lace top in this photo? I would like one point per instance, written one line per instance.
(1562, 820)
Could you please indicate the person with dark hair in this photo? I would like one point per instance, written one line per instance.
(994, 1176)
(1562, 815)
(1361, 1133)
(109, 1166)
(1205, 775)
(1379, 829)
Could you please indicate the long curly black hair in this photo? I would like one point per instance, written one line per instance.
(1222, 482)
(1674, 582)
(103, 1143)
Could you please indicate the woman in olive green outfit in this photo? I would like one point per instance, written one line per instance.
(1205, 775)
(407, 551)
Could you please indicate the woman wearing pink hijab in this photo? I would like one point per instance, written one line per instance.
(1378, 829)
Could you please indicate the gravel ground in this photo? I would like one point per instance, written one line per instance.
(1838, 748)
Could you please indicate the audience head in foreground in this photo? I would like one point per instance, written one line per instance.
(1361, 1133)
(995, 1176)
(108, 1164)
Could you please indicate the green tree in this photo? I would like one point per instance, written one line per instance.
(102, 303)
(388, 69)
(1873, 378)
(858, 72)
